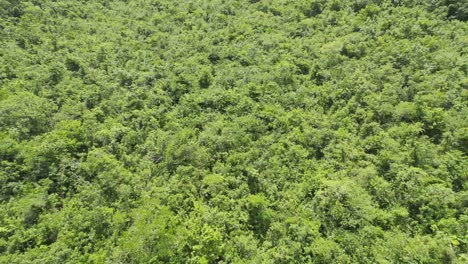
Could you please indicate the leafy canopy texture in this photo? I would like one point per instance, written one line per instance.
(233, 131)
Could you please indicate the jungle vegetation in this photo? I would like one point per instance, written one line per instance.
(233, 131)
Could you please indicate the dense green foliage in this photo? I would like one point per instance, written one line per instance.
(233, 131)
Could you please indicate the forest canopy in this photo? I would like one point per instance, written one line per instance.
(233, 131)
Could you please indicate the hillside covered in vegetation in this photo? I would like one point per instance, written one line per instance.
(233, 131)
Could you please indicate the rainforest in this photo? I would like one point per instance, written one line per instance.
(233, 131)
